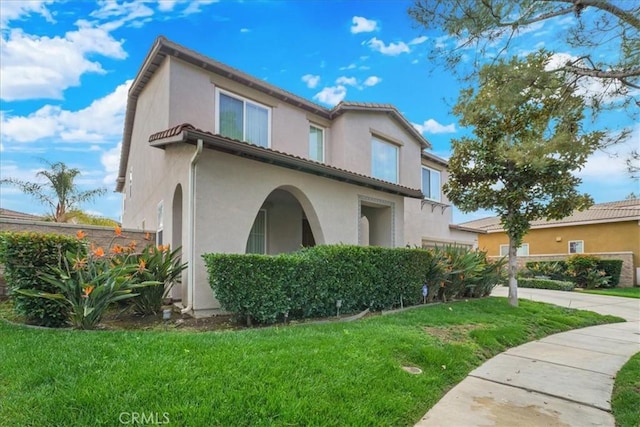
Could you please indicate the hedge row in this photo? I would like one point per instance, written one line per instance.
(556, 285)
(24, 256)
(557, 270)
(308, 283)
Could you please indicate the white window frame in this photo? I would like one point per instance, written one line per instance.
(575, 241)
(321, 129)
(431, 170)
(244, 113)
(391, 144)
(504, 250)
(266, 229)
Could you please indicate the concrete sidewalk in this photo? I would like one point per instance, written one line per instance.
(564, 379)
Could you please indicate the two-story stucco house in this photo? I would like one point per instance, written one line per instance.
(216, 160)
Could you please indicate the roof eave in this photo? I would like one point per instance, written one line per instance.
(254, 152)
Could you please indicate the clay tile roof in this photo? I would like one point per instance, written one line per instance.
(176, 130)
(622, 210)
(193, 134)
(9, 214)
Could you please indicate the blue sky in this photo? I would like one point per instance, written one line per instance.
(65, 67)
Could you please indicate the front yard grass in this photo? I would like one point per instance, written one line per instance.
(328, 374)
(625, 401)
(616, 292)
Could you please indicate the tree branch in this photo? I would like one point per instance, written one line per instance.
(536, 19)
(594, 72)
(606, 6)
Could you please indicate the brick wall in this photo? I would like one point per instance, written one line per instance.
(100, 236)
(627, 275)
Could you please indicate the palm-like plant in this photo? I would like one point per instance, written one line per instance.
(59, 192)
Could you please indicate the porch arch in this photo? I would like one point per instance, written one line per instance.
(284, 217)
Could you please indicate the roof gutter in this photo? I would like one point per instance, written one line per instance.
(191, 255)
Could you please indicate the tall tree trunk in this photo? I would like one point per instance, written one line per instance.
(513, 268)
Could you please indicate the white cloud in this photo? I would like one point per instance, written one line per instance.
(311, 80)
(31, 67)
(110, 160)
(14, 10)
(372, 81)
(99, 122)
(166, 5)
(432, 126)
(418, 40)
(603, 166)
(195, 6)
(347, 81)
(245, 30)
(392, 49)
(331, 95)
(348, 67)
(363, 25)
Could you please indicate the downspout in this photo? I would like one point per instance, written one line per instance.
(191, 256)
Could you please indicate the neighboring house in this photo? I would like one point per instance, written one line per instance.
(608, 230)
(216, 160)
(9, 214)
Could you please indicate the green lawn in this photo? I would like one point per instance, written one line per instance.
(330, 374)
(616, 292)
(625, 402)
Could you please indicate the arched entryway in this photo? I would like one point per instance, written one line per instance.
(285, 222)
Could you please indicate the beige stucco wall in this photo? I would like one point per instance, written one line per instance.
(230, 190)
(351, 144)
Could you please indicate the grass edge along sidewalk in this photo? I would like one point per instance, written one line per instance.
(331, 374)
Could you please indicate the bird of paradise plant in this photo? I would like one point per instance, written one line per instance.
(88, 282)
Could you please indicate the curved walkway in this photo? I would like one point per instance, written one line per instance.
(564, 379)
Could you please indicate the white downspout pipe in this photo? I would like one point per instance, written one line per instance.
(191, 255)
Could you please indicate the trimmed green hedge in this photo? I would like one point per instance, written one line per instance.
(556, 285)
(24, 256)
(309, 282)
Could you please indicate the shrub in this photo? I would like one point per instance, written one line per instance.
(555, 270)
(579, 268)
(556, 285)
(86, 283)
(309, 283)
(24, 256)
(163, 267)
(612, 269)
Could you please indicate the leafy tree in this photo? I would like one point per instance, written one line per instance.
(491, 27)
(59, 192)
(527, 142)
(602, 39)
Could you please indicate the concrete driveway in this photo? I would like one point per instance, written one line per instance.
(564, 379)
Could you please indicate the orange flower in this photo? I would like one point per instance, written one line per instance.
(99, 252)
(80, 235)
(79, 263)
(117, 249)
(147, 236)
(87, 290)
(118, 230)
(141, 265)
(163, 248)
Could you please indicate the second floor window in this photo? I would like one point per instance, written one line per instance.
(316, 143)
(384, 161)
(431, 183)
(241, 119)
